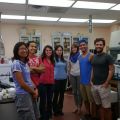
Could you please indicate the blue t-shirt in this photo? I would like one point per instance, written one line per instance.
(85, 69)
(18, 65)
(60, 70)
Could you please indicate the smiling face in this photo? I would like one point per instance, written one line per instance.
(32, 48)
(48, 52)
(99, 46)
(74, 49)
(83, 47)
(23, 52)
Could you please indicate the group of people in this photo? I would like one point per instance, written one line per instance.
(44, 77)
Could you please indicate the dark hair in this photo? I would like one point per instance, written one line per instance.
(75, 46)
(30, 43)
(56, 56)
(83, 41)
(98, 40)
(44, 55)
(16, 49)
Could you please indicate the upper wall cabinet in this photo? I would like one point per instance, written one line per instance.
(64, 39)
(36, 38)
(115, 39)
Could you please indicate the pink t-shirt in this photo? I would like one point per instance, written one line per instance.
(34, 61)
(48, 76)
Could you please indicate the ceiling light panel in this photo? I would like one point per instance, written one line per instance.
(92, 5)
(14, 1)
(72, 20)
(56, 3)
(42, 18)
(102, 21)
(117, 7)
(16, 17)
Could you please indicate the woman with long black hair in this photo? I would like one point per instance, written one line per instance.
(60, 76)
(46, 83)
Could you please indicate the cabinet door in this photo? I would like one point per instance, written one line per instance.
(115, 39)
(66, 41)
(56, 39)
(24, 38)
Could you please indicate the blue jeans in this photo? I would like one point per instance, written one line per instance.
(26, 107)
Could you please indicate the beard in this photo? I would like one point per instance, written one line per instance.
(99, 51)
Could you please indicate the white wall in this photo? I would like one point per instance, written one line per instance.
(10, 33)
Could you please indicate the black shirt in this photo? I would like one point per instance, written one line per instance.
(101, 64)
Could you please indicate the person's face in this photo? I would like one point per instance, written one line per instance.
(48, 52)
(99, 47)
(32, 48)
(74, 49)
(22, 51)
(83, 47)
(59, 51)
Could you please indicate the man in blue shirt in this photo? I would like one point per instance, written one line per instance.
(85, 76)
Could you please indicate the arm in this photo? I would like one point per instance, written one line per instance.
(20, 80)
(69, 67)
(91, 57)
(91, 83)
(110, 75)
(39, 69)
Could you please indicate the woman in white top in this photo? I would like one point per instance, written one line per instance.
(74, 72)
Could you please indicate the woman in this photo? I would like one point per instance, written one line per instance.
(60, 75)
(74, 72)
(26, 92)
(46, 83)
(34, 63)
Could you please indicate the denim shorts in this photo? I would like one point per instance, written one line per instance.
(27, 108)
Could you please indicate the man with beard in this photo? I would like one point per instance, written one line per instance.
(102, 73)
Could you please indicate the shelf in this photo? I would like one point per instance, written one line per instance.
(8, 100)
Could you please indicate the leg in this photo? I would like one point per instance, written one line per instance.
(79, 97)
(36, 110)
(91, 100)
(85, 99)
(42, 105)
(25, 107)
(55, 97)
(106, 103)
(61, 96)
(96, 105)
(74, 89)
(49, 100)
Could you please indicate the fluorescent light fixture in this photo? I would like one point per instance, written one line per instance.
(72, 20)
(117, 7)
(16, 17)
(56, 3)
(42, 18)
(102, 21)
(92, 5)
(14, 1)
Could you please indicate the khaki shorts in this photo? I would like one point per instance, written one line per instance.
(101, 95)
(86, 93)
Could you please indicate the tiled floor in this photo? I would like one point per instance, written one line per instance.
(68, 108)
(8, 111)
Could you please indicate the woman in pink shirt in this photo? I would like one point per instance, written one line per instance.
(46, 83)
(36, 68)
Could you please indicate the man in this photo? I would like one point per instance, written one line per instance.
(85, 76)
(102, 73)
